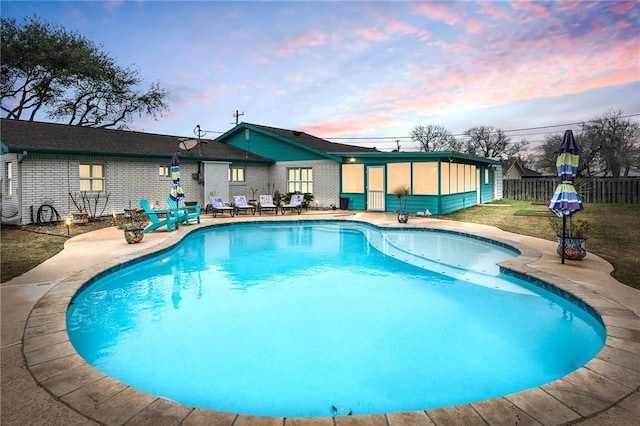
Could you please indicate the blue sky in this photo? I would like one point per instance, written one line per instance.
(369, 69)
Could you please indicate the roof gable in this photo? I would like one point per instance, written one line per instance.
(297, 140)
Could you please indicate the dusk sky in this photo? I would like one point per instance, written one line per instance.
(369, 69)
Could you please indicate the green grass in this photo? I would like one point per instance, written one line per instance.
(615, 233)
(22, 250)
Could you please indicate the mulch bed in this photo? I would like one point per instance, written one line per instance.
(60, 228)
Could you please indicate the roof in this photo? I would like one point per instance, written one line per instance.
(422, 156)
(52, 138)
(524, 171)
(301, 138)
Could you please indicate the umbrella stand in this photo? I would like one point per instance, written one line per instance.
(564, 233)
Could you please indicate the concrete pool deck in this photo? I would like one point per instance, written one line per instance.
(44, 380)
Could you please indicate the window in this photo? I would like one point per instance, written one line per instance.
(92, 177)
(300, 179)
(164, 171)
(8, 178)
(236, 174)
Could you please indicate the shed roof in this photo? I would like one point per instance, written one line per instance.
(52, 138)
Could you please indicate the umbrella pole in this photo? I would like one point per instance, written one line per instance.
(564, 232)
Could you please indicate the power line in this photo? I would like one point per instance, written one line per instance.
(462, 134)
(397, 139)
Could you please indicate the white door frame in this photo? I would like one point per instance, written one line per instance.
(375, 188)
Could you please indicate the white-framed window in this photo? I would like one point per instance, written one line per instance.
(300, 179)
(91, 177)
(164, 171)
(8, 178)
(237, 174)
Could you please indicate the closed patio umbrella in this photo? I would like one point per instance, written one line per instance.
(566, 201)
(176, 193)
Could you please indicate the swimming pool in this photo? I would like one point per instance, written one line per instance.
(225, 321)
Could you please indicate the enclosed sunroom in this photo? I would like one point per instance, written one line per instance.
(439, 182)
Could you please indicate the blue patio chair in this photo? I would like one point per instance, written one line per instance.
(185, 214)
(159, 218)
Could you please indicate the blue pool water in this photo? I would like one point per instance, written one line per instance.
(293, 319)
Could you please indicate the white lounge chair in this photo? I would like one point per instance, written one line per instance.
(240, 204)
(266, 203)
(294, 204)
(218, 206)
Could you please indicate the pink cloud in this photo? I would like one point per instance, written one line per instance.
(447, 13)
(371, 33)
(302, 42)
(355, 124)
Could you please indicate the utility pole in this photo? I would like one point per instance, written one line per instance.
(237, 114)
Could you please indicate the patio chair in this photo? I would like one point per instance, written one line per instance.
(185, 214)
(294, 204)
(218, 206)
(240, 204)
(266, 203)
(159, 218)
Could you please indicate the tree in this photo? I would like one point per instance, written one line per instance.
(614, 142)
(489, 142)
(50, 70)
(609, 146)
(435, 138)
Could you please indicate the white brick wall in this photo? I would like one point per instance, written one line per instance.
(50, 178)
(326, 179)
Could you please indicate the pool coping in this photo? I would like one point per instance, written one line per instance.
(607, 379)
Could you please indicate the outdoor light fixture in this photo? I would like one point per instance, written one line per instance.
(113, 214)
(68, 222)
(352, 159)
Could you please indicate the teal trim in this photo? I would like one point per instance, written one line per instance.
(356, 201)
(271, 145)
(183, 157)
(454, 202)
(401, 157)
(486, 189)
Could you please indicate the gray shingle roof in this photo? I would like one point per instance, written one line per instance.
(312, 141)
(33, 136)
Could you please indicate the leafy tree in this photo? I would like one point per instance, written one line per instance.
(48, 69)
(489, 142)
(435, 138)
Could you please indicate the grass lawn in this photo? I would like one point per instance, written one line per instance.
(615, 235)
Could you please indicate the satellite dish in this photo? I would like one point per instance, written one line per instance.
(188, 144)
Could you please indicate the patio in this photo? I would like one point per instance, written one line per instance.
(44, 381)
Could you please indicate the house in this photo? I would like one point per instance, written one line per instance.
(513, 169)
(57, 164)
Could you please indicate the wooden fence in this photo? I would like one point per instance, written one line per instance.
(591, 190)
